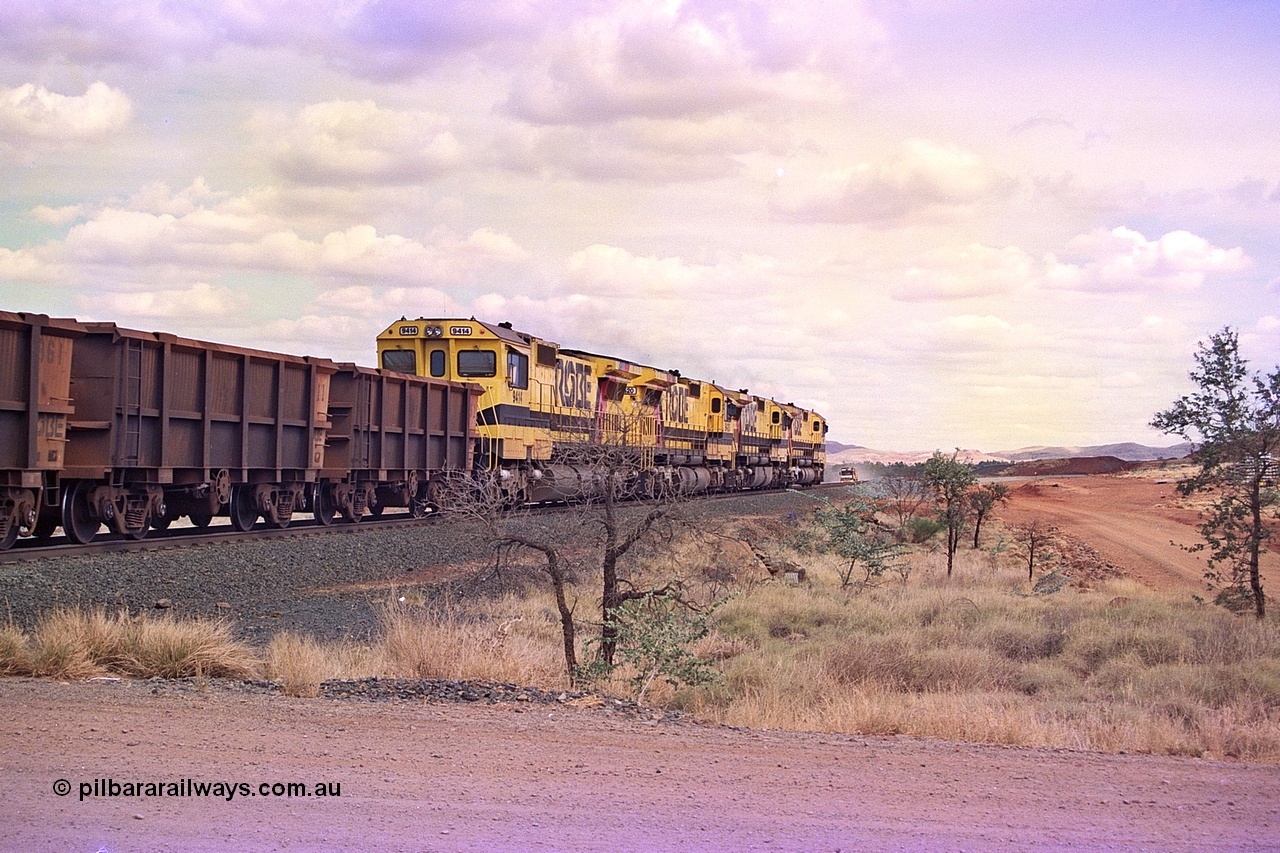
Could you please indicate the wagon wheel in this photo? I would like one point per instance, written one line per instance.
(139, 532)
(46, 525)
(375, 510)
(78, 521)
(201, 517)
(12, 536)
(163, 522)
(322, 506)
(242, 509)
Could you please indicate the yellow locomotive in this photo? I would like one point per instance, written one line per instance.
(542, 405)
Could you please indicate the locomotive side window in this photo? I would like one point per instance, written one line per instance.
(546, 355)
(777, 417)
(477, 363)
(715, 405)
(437, 362)
(517, 369)
(400, 360)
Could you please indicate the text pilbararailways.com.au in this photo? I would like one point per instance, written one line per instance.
(185, 788)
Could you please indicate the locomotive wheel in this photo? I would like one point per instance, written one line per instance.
(77, 517)
(200, 517)
(322, 506)
(12, 536)
(242, 510)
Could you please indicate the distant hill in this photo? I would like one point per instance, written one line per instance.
(1128, 451)
(851, 454)
(837, 447)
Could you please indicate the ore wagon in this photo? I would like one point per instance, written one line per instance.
(166, 426)
(392, 437)
(35, 372)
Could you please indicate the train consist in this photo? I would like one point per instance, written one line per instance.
(541, 406)
(102, 425)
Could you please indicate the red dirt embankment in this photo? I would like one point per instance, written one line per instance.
(1140, 525)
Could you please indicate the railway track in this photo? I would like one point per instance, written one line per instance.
(220, 531)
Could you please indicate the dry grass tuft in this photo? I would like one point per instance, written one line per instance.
(77, 644)
(512, 639)
(300, 663)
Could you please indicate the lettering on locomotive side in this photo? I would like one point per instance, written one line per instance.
(408, 331)
(461, 331)
(573, 384)
(675, 405)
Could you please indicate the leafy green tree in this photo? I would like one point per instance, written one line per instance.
(1234, 421)
(950, 480)
(854, 534)
(655, 633)
(982, 501)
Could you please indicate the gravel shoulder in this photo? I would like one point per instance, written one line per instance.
(420, 776)
(435, 768)
(330, 584)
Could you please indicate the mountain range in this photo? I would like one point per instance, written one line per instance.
(846, 454)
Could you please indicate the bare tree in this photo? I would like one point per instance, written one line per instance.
(905, 496)
(599, 477)
(982, 500)
(1035, 538)
(507, 529)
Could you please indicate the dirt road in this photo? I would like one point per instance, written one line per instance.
(418, 777)
(1136, 523)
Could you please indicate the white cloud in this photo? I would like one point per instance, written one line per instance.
(57, 215)
(192, 304)
(31, 114)
(358, 142)
(970, 271)
(212, 235)
(647, 150)
(1124, 260)
(924, 178)
(663, 59)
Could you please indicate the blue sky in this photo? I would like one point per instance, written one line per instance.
(977, 224)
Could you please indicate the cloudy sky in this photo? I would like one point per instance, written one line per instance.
(986, 224)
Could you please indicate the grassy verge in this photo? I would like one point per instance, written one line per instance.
(75, 644)
(980, 658)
